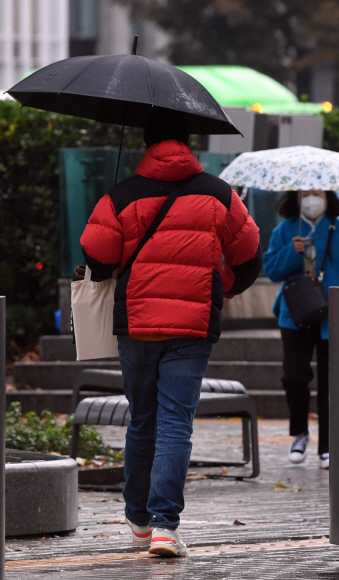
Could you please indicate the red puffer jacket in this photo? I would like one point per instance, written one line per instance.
(177, 282)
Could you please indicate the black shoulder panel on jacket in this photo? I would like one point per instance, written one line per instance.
(138, 187)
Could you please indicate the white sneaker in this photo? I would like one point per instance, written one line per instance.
(167, 543)
(324, 461)
(141, 535)
(298, 449)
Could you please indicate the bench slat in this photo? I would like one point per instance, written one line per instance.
(109, 409)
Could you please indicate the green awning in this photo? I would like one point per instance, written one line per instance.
(240, 86)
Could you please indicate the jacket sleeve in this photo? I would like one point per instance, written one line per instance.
(241, 249)
(281, 259)
(102, 239)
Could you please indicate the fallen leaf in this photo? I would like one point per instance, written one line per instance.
(237, 523)
(101, 536)
(31, 356)
(279, 487)
(224, 471)
(111, 522)
(43, 538)
(81, 461)
(61, 419)
(196, 476)
(10, 389)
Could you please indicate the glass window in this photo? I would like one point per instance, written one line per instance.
(16, 16)
(35, 16)
(83, 18)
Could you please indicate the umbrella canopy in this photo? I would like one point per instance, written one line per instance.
(122, 89)
(244, 87)
(289, 168)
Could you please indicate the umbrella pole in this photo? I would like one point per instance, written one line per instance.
(120, 147)
(134, 51)
(300, 195)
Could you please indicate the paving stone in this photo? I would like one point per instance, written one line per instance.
(310, 564)
(284, 507)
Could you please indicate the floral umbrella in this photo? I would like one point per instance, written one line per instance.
(289, 168)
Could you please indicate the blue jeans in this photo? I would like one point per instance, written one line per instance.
(162, 382)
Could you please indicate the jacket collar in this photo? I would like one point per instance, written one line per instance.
(169, 161)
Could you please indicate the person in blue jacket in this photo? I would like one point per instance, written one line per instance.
(292, 254)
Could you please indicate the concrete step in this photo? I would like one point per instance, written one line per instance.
(248, 345)
(270, 404)
(62, 375)
(252, 374)
(58, 375)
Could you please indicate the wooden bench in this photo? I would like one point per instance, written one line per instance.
(218, 398)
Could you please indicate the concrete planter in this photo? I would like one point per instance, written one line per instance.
(41, 493)
(103, 477)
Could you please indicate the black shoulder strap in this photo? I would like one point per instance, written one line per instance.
(331, 229)
(178, 186)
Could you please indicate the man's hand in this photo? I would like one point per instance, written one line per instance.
(299, 244)
(79, 272)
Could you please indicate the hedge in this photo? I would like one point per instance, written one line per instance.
(33, 432)
(29, 209)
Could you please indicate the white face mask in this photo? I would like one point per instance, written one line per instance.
(312, 206)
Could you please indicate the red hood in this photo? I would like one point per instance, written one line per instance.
(169, 161)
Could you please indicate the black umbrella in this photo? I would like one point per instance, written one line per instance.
(123, 90)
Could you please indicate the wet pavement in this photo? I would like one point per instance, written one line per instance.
(273, 527)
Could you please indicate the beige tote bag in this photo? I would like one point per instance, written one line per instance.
(92, 308)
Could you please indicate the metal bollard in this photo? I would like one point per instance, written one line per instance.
(334, 412)
(2, 431)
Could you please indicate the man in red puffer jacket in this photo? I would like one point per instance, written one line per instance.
(167, 311)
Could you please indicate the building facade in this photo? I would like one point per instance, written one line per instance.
(35, 33)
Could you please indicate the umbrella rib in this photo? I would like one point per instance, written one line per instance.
(78, 75)
(150, 76)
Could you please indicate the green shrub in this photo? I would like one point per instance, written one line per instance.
(331, 130)
(32, 432)
(29, 209)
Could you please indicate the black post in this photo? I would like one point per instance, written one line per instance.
(334, 412)
(134, 51)
(2, 431)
